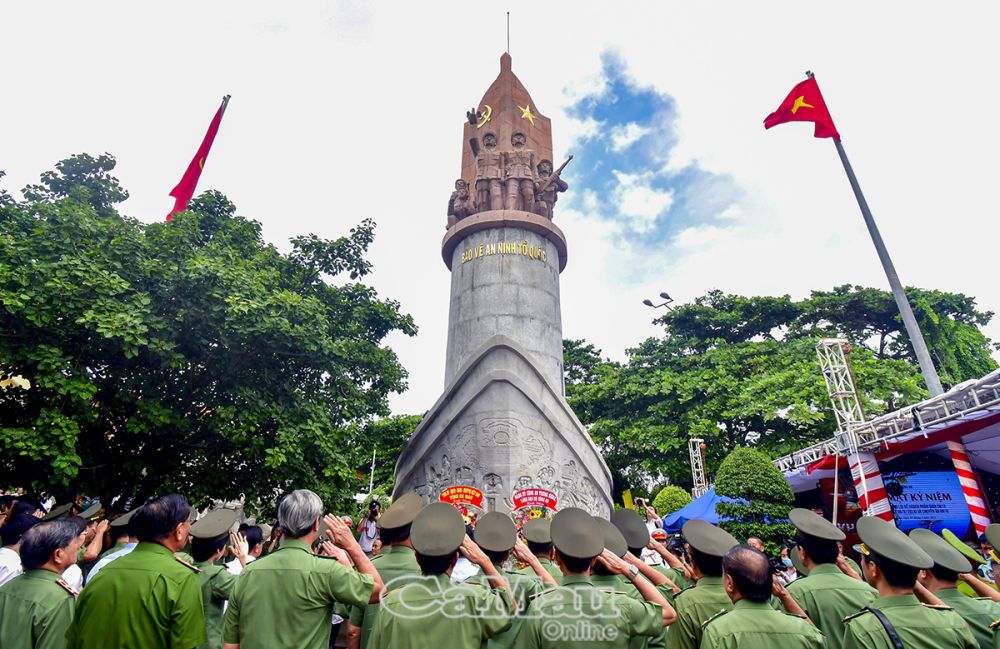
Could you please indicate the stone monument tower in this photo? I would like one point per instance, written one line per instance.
(502, 424)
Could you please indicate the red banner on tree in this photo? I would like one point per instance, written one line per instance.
(462, 495)
(534, 498)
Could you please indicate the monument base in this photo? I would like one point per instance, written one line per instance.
(500, 426)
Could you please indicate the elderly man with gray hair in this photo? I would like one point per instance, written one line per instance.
(287, 598)
(36, 607)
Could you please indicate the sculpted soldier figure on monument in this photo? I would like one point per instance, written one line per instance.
(460, 205)
(489, 172)
(519, 172)
(548, 186)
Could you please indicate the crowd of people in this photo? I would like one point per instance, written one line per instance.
(422, 577)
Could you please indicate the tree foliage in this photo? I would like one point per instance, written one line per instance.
(188, 355)
(386, 438)
(743, 370)
(670, 499)
(763, 499)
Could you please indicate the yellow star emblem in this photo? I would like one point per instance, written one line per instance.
(526, 113)
(800, 102)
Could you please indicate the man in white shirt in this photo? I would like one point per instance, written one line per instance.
(10, 536)
(255, 542)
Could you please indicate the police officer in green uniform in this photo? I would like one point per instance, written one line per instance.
(147, 598)
(537, 533)
(208, 543)
(580, 614)
(707, 544)
(897, 618)
(434, 612)
(828, 595)
(942, 580)
(496, 536)
(36, 607)
(753, 623)
(287, 599)
(396, 563)
(636, 536)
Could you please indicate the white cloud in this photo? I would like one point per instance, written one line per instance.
(638, 202)
(625, 135)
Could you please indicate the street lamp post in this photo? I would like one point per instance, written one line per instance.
(666, 302)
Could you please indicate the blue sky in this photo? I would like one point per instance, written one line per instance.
(622, 170)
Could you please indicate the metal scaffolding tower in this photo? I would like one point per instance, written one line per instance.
(696, 451)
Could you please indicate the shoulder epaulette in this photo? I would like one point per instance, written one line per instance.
(940, 607)
(854, 615)
(185, 563)
(716, 616)
(995, 624)
(542, 592)
(72, 591)
(682, 591)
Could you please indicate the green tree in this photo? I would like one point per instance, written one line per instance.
(737, 370)
(386, 438)
(762, 498)
(670, 499)
(189, 355)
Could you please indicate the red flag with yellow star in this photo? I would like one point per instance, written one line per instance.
(805, 104)
(184, 190)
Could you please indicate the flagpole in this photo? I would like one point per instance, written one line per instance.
(927, 369)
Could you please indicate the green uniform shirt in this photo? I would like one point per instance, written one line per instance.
(146, 598)
(755, 625)
(397, 565)
(114, 548)
(695, 606)
(35, 611)
(216, 586)
(977, 613)
(828, 596)
(548, 564)
(434, 612)
(287, 598)
(524, 588)
(677, 576)
(917, 625)
(578, 614)
(617, 584)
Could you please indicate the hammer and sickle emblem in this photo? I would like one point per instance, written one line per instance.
(485, 116)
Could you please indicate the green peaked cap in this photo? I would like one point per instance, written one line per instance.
(613, 539)
(886, 540)
(810, 523)
(215, 523)
(941, 551)
(707, 538)
(575, 534)
(402, 511)
(966, 551)
(438, 530)
(495, 532)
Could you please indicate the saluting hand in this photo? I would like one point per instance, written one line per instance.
(474, 553)
(613, 563)
(240, 547)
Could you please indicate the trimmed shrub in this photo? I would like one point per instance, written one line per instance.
(763, 496)
(670, 499)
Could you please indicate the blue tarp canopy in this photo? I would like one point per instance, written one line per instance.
(702, 508)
